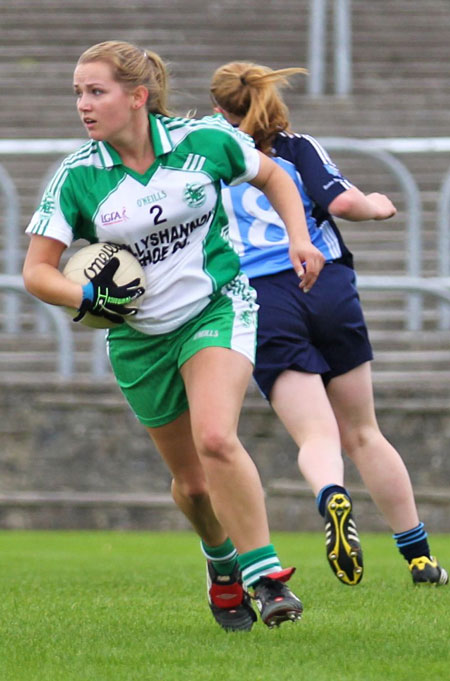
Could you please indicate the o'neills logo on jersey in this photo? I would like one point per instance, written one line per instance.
(147, 200)
(114, 217)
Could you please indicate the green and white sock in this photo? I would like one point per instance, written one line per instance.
(223, 557)
(257, 563)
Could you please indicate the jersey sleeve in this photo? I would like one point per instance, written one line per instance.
(251, 159)
(234, 153)
(57, 213)
(321, 177)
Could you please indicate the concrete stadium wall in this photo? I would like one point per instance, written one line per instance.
(73, 456)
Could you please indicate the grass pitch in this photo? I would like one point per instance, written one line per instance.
(106, 606)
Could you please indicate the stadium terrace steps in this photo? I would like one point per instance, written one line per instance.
(405, 57)
(388, 365)
(416, 363)
(400, 89)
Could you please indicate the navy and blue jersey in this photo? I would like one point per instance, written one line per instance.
(256, 230)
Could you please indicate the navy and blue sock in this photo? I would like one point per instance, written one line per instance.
(325, 492)
(413, 543)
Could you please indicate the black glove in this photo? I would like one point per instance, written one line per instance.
(103, 298)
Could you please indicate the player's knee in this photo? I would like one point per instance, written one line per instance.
(215, 442)
(357, 439)
(193, 489)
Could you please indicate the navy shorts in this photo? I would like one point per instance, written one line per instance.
(321, 332)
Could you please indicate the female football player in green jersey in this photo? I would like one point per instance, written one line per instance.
(152, 183)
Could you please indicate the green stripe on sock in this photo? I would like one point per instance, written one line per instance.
(257, 563)
(223, 557)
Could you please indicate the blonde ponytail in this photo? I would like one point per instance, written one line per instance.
(251, 92)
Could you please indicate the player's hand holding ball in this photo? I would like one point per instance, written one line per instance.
(113, 284)
(103, 298)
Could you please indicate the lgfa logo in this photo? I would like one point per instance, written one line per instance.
(114, 217)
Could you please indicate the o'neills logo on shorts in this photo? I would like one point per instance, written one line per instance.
(206, 333)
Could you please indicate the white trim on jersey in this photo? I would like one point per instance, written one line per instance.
(105, 155)
(164, 138)
(326, 159)
(331, 240)
(322, 153)
(194, 162)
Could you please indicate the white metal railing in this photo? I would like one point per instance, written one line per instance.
(444, 244)
(413, 203)
(378, 149)
(11, 263)
(11, 282)
(437, 287)
(382, 150)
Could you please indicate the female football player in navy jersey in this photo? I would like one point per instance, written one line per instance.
(184, 359)
(313, 355)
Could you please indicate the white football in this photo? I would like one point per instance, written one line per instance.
(87, 262)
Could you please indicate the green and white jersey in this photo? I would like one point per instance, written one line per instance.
(171, 217)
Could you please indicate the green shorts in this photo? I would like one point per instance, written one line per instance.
(147, 368)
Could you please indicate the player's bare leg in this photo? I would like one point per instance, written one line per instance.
(189, 488)
(227, 600)
(302, 404)
(382, 470)
(216, 380)
(379, 464)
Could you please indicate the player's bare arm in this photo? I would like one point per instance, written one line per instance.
(355, 206)
(42, 277)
